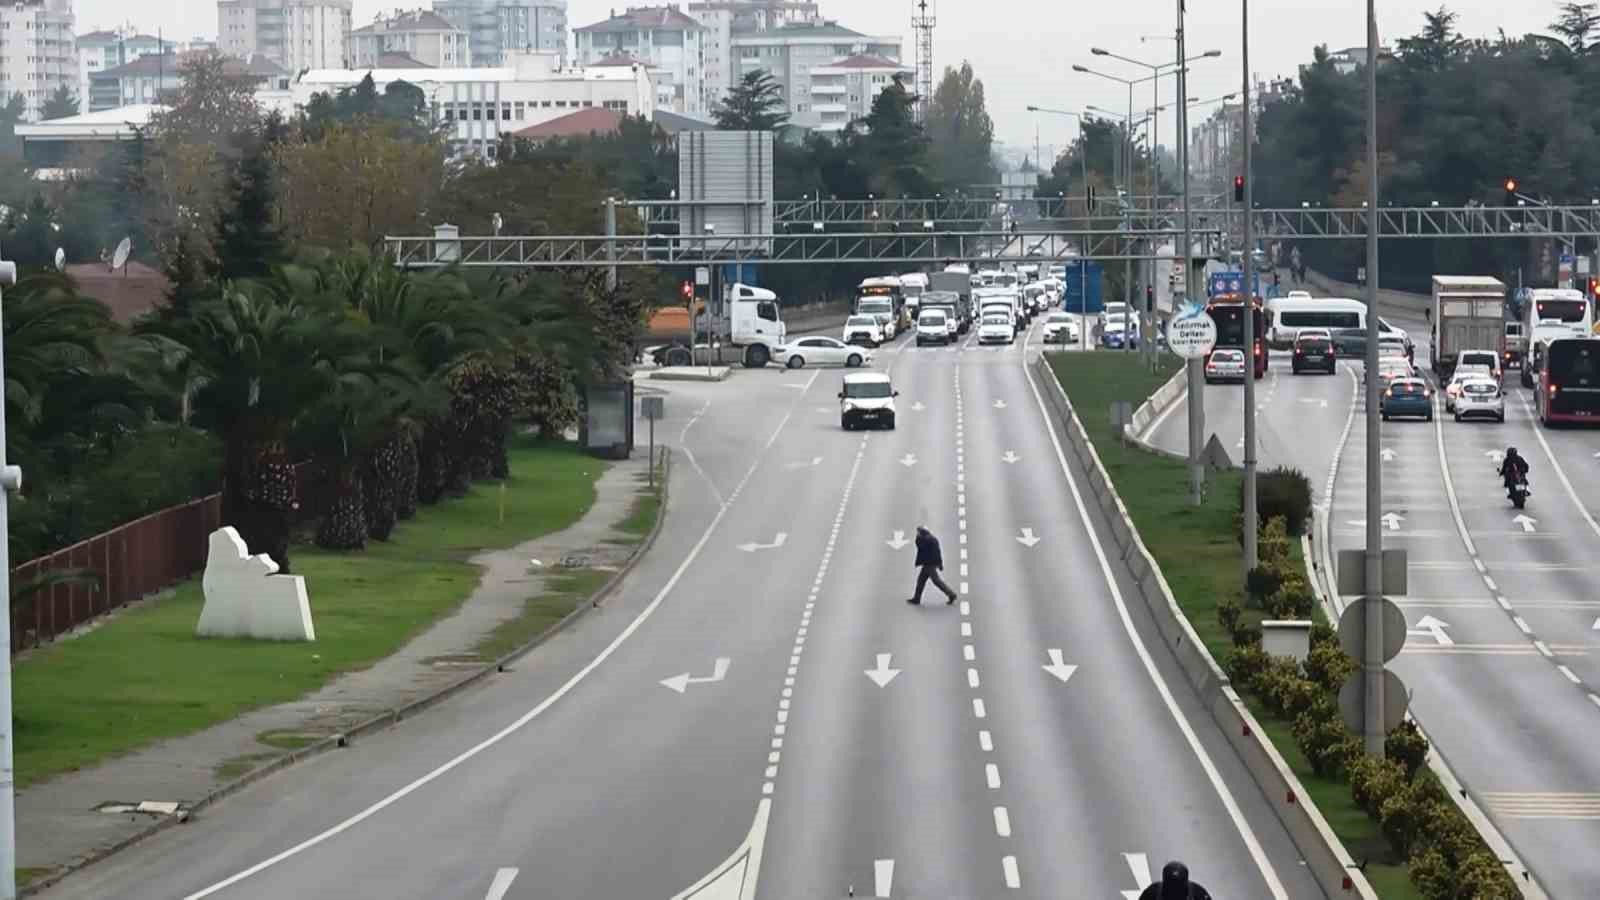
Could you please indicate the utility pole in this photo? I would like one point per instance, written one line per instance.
(10, 480)
(1197, 381)
(1247, 260)
(1372, 659)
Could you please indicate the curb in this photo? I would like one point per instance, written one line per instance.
(1170, 393)
(375, 724)
(1324, 855)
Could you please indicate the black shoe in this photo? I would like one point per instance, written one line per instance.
(951, 600)
(914, 601)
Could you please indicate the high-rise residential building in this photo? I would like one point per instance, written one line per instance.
(663, 38)
(498, 28)
(295, 34)
(725, 18)
(792, 52)
(843, 91)
(37, 53)
(101, 49)
(421, 35)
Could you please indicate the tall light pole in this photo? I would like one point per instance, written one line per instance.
(1247, 260)
(1156, 71)
(1083, 260)
(10, 480)
(1372, 658)
(1196, 375)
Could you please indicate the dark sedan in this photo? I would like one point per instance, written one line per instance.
(1409, 397)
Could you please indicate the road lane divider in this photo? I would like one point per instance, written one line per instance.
(1332, 867)
(1153, 412)
(1324, 583)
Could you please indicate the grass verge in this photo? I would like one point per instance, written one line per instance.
(563, 592)
(1203, 564)
(143, 676)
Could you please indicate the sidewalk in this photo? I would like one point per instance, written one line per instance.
(62, 821)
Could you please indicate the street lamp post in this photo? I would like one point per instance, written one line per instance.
(1372, 657)
(10, 480)
(1196, 377)
(1083, 259)
(1247, 261)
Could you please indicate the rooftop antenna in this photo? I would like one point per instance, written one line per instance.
(923, 18)
(120, 257)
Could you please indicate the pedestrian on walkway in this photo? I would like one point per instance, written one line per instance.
(930, 562)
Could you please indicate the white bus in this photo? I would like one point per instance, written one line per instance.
(1287, 315)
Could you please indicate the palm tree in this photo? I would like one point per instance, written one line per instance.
(259, 361)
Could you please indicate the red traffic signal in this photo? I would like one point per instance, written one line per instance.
(1594, 286)
(687, 290)
(1238, 188)
(1511, 185)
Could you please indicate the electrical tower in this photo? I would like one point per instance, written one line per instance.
(923, 18)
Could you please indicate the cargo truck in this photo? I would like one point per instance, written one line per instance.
(1468, 313)
(745, 333)
(958, 282)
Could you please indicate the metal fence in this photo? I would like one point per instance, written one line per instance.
(133, 561)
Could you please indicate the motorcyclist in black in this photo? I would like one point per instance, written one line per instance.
(1175, 885)
(1514, 470)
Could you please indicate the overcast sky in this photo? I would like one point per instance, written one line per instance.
(1024, 50)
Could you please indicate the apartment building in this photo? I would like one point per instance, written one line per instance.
(497, 28)
(421, 35)
(295, 34)
(101, 49)
(664, 38)
(792, 53)
(723, 19)
(153, 77)
(37, 51)
(841, 92)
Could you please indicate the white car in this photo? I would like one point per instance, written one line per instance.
(866, 398)
(1480, 397)
(1461, 375)
(1061, 328)
(820, 351)
(996, 328)
(1322, 333)
(864, 330)
(1225, 365)
(1297, 295)
(933, 327)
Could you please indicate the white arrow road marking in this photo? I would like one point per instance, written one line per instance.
(800, 386)
(680, 683)
(1058, 668)
(501, 884)
(882, 675)
(777, 542)
(917, 406)
(999, 404)
(1387, 454)
(815, 461)
(1320, 403)
(735, 879)
(1010, 457)
(1527, 522)
(1392, 520)
(898, 542)
(1027, 539)
(1596, 626)
(1428, 626)
(1139, 865)
(1496, 455)
(910, 459)
(882, 877)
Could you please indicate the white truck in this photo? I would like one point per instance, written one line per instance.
(1553, 314)
(746, 332)
(1468, 313)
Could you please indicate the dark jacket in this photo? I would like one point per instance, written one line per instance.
(1514, 469)
(928, 553)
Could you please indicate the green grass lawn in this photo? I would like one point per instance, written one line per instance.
(1201, 558)
(565, 591)
(143, 676)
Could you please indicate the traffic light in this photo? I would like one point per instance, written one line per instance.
(1511, 192)
(1089, 199)
(1594, 287)
(686, 290)
(1238, 188)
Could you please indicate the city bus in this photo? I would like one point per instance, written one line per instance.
(1569, 382)
(1227, 310)
(885, 288)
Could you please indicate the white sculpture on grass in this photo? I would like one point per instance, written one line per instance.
(245, 597)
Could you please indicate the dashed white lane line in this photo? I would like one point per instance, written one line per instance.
(966, 629)
(991, 773)
(1568, 673)
(972, 679)
(977, 708)
(1002, 822)
(1013, 877)
(501, 884)
(968, 653)
(1521, 625)
(985, 742)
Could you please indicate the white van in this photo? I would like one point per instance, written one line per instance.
(866, 398)
(933, 327)
(1287, 315)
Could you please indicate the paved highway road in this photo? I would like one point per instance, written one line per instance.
(1503, 654)
(759, 702)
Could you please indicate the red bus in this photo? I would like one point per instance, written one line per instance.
(1227, 310)
(1569, 382)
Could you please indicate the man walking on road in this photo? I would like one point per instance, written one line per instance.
(930, 561)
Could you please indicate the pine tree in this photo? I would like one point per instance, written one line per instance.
(754, 104)
(248, 241)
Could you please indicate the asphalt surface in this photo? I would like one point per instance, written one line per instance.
(972, 771)
(1503, 649)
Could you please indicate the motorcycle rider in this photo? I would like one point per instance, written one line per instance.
(1514, 469)
(1175, 885)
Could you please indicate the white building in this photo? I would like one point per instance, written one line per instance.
(295, 34)
(422, 35)
(496, 28)
(841, 92)
(37, 53)
(792, 52)
(664, 38)
(723, 19)
(150, 78)
(100, 50)
(478, 105)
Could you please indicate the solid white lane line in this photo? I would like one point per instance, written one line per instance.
(501, 884)
(1013, 878)
(521, 721)
(985, 741)
(1002, 822)
(1246, 833)
(991, 774)
(1561, 474)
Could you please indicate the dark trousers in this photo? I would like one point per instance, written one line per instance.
(931, 572)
